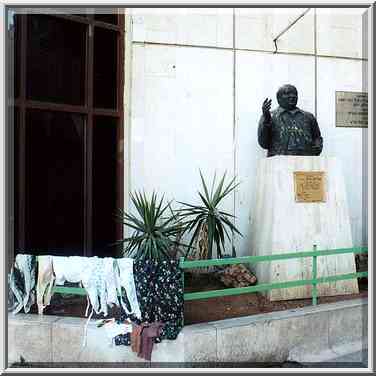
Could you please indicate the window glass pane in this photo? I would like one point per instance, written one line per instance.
(55, 60)
(106, 160)
(54, 183)
(108, 18)
(16, 52)
(13, 54)
(105, 68)
(14, 124)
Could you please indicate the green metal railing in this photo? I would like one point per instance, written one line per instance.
(259, 287)
(314, 281)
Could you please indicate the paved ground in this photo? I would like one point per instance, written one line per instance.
(354, 360)
(357, 359)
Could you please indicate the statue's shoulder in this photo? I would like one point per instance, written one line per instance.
(308, 114)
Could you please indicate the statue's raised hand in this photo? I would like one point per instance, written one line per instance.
(266, 109)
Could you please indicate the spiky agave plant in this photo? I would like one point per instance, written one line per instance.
(154, 233)
(217, 221)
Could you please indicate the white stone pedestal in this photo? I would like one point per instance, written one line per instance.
(281, 225)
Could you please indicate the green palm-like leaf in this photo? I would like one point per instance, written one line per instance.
(218, 222)
(218, 191)
(154, 233)
(205, 188)
(213, 184)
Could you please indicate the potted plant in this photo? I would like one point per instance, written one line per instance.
(155, 235)
(208, 224)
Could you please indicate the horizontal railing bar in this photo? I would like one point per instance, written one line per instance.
(250, 259)
(234, 291)
(270, 286)
(69, 290)
(254, 259)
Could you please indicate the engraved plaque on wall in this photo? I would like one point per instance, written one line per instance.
(351, 109)
(309, 186)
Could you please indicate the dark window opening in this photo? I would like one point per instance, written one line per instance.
(54, 182)
(105, 68)
(108, 18)
(55, 60)
(106, 161)
(67, 130)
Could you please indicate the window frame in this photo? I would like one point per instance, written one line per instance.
(22, 104)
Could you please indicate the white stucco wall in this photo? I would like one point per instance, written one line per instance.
(198, 80)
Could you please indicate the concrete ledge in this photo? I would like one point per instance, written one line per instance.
(312, 333)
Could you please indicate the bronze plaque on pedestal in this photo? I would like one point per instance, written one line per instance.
(309, 186)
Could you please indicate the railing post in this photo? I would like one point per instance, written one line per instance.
(314, 276)
(182, 280)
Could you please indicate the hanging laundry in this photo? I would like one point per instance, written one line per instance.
(148, 335)
(90, 272)
(103, 281)
(136, 337)
(69, 269)
(94, 283)
(74, 269)
(22, 282)
(126, 281)
(45, 282)
(11, 297)
(102, 278)
(159, 290)
(110, 276)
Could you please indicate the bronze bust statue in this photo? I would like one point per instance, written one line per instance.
(288, 130)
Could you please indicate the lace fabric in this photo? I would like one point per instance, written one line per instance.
(104, 279)
(69, 269)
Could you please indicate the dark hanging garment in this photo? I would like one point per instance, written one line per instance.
(159, 290)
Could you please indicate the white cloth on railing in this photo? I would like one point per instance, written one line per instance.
(110, 276)
(95, 285)
(22, 282)
(104, 280)
(69, 269)
(126, 280)
(45, 282)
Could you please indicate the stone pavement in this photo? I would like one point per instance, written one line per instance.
(358, 359)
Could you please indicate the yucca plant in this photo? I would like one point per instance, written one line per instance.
(154, 233)
(217, 223)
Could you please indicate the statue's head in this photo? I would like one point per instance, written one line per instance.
(287, 97)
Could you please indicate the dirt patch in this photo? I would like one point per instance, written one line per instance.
(213, 309)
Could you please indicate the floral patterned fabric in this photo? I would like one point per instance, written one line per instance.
(159, 290)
